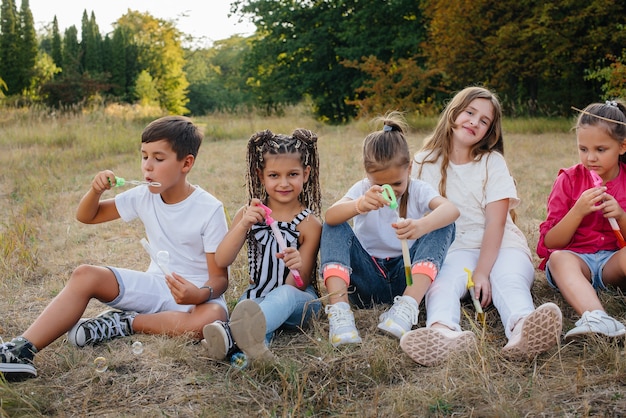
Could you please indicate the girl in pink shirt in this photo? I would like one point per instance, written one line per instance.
(579, 248)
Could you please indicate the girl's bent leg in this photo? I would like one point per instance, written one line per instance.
(511, 278)
(287, 305)
(443, 298)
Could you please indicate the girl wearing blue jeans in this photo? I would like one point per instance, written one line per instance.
(364, 265)
(283, 179)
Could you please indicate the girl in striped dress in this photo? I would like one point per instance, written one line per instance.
(282, 177)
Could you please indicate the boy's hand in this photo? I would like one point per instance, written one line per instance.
(183, 291)
(103, 181)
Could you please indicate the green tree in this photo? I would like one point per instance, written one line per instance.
(160, 53)
(57, 49)
(217, 81)
(71, 53)
(300, 48)
(146, 89)
(28, 48)
(9, 47)
(44, 71)
(535, 54)
(91, 45)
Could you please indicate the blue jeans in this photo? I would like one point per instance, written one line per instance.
(374, 280)
(287, 306)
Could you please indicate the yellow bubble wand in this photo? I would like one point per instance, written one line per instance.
(390, 197)
(480, 314)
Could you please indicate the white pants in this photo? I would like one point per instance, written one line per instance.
(511, 278)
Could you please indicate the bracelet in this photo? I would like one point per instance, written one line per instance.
(210, 289)
(356, 206)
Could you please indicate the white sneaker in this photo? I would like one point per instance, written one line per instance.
(535, 333)
(341, 323)
(400, 318)
(596, 322)
(432, 346)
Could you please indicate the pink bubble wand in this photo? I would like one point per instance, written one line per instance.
(597, 182)
(271, 222)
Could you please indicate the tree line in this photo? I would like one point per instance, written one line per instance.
(346, 58)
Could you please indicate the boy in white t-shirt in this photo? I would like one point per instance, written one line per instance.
(179, 218)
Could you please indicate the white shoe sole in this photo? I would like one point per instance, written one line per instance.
(247, 326)
(541, 331)
(214, 341)
(430, 347)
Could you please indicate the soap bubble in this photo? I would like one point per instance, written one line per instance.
(137, 348)
(239, 360)
(163, 257)
(101, 364)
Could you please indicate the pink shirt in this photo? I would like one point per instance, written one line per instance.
(594, 232)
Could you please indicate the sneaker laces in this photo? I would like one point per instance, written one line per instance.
(403, 310)
(589, 317)
(105, 328)
(338, 317)
(6, 353)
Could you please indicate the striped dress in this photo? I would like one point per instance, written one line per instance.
(266, 271)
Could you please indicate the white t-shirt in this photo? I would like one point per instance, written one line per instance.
(471, 187)
(374, 230)
(186, 230)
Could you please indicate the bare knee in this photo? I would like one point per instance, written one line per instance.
(94, 281)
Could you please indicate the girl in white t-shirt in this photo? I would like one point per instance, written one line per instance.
(365, 265)
(463, 159)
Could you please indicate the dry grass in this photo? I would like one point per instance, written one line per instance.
(47, 164)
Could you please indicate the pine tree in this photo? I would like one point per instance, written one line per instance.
(9, 47)
(27, 48)
(57, 51)
(71, 52)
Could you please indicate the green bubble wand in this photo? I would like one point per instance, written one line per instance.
(390, 197)
(119, 182)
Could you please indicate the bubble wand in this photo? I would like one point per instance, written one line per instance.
(597, 182)
(119, 182)
(161, 258)
(271, 222)
(390, 197)
(480, 314)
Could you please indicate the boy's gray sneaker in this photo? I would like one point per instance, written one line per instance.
(596, 323)
(104, 327)
(16, 358)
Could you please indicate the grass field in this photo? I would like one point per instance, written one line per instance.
(47, 164)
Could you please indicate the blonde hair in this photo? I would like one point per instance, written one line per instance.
(439, 144)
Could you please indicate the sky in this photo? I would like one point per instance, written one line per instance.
(206, 19)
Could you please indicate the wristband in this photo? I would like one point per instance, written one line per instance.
(210, 289)
(356, 206)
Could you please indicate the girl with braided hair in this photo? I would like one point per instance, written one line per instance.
(283, 175)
